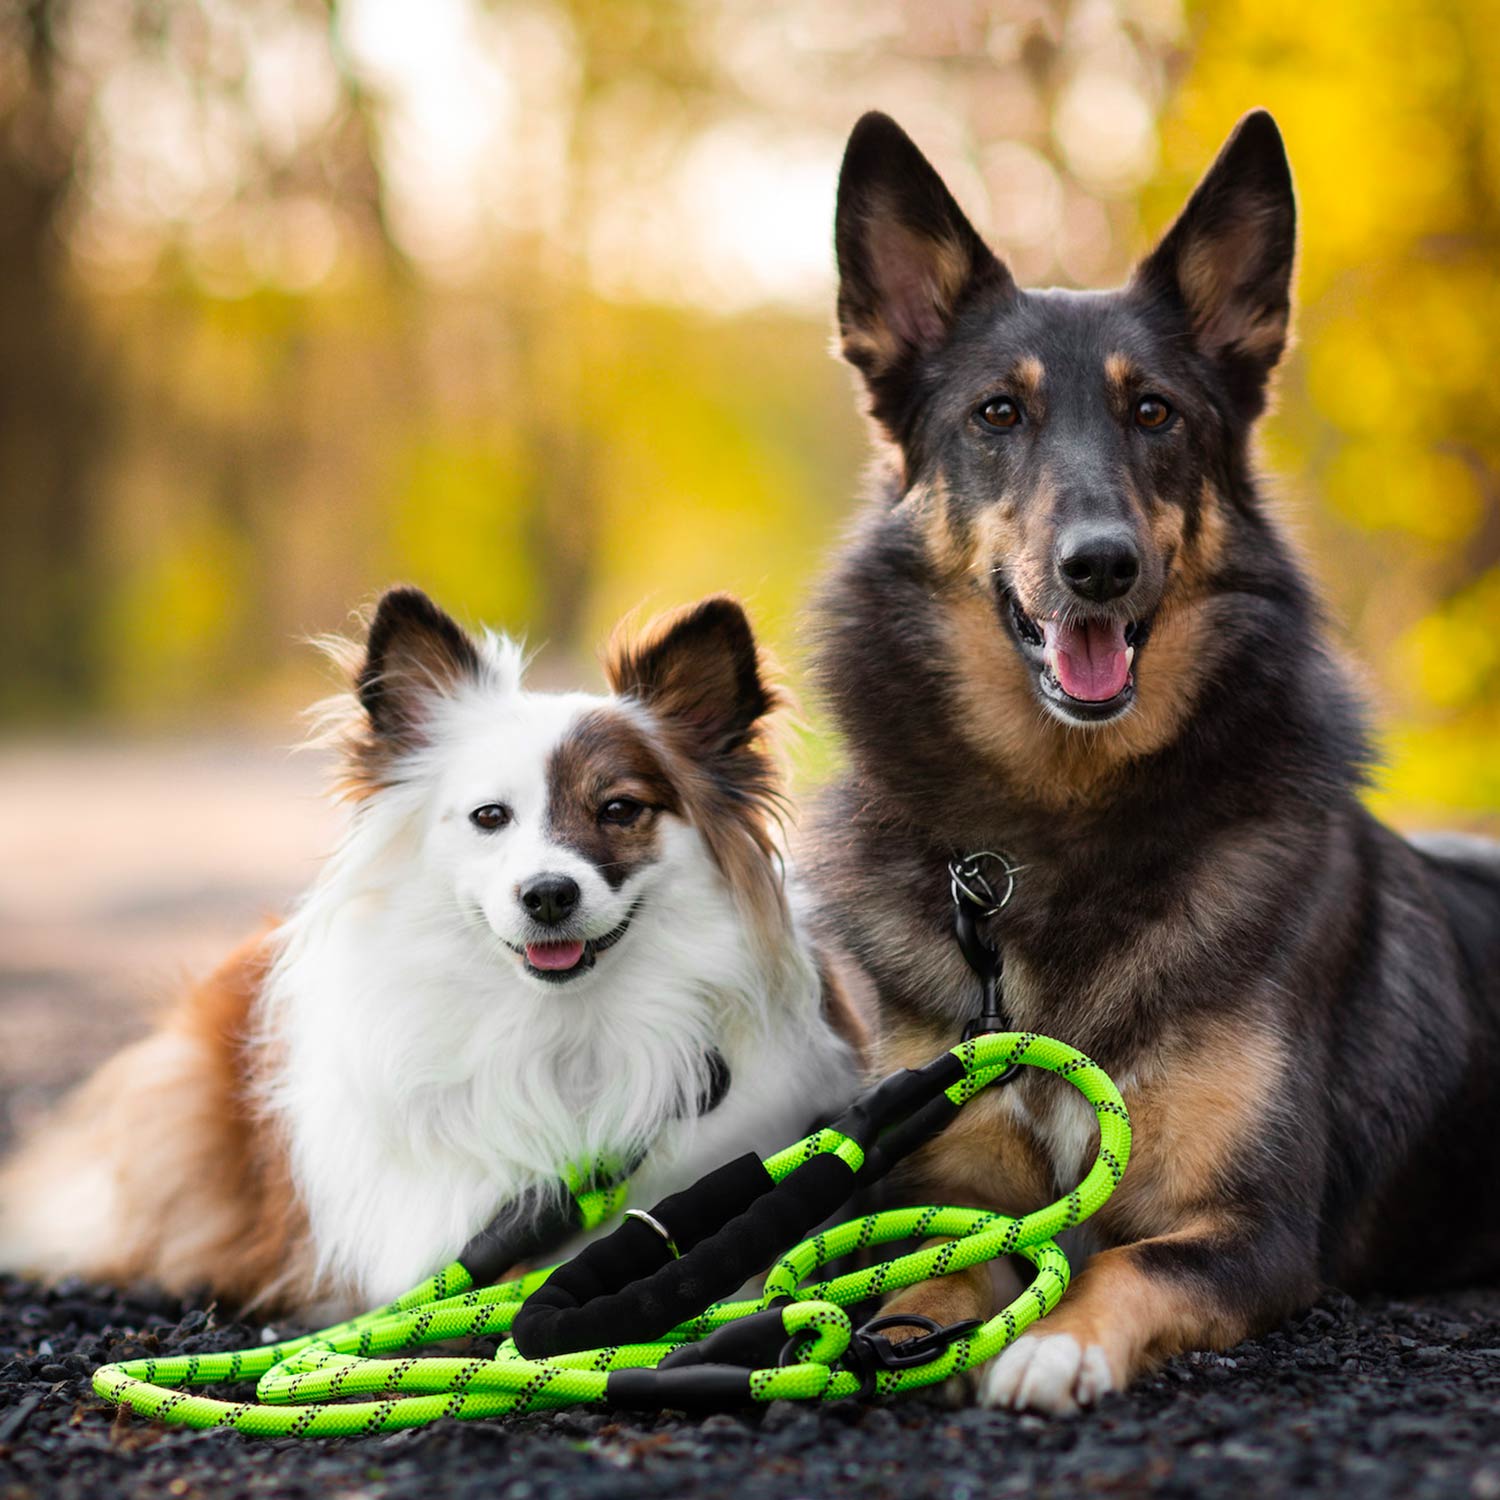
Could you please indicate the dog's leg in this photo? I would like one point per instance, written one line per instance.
(977, 1292)
(1203, 1287)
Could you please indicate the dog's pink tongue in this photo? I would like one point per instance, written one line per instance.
(553, 955)
(1088, 657)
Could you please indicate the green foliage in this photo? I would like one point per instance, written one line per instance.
(456, 520)
(1388, 429)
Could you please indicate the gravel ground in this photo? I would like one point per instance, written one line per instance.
(1388, 1399)
(104, 903)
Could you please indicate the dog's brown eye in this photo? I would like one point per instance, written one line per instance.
(1002, 412)
(491, 816)
(1152, 412)
(621, 811)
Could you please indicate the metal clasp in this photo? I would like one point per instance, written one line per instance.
(872, 1352)
(981, 886)
(976, 879)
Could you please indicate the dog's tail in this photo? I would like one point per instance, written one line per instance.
(157, 1169)
(84, 1195)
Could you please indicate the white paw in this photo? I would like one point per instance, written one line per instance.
(1053, 1373)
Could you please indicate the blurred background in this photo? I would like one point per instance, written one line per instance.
(529, 302)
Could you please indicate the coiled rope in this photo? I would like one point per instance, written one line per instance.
(795, 1342)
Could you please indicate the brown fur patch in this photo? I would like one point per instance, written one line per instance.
(1191, 1113)
(954, 1298)
(1198, 1103)
(986, 1160)
(983, 1159)
(870, 346)
(1211, 271)
(844, 1008)
(920, 278)
(1017, 532)
(1167, 524)
(1119, 375)
(1204, 542)
(249, 1155)
(159, 1168)
(605, 755)
(949, 548)
(701, 677)
(1027, 379)
(1139, 1318)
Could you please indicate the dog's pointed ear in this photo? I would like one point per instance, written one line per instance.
(415, 655)
(908, 260)
(1226, 264)
(698, 671)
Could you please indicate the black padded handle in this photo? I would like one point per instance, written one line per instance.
(619, 1289)
(540, 1221)
(729, 1226)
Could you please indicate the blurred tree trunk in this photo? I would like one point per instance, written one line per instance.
(53, 385)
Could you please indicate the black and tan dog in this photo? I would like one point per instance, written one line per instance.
(1069, 627)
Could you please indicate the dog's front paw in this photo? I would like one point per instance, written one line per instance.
(1052, 1373)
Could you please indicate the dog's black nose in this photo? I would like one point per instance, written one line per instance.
(1099, 562)
(550, 898)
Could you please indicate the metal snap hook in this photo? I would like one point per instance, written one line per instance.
(985, 879)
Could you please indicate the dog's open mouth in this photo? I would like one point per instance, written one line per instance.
(565, 958)
(1083, 664)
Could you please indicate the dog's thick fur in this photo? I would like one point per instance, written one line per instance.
(1301, 1007)
(332, 1115)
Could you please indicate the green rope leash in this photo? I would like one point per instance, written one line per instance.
(304, 1385)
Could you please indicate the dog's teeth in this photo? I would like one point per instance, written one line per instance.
(1129, 656)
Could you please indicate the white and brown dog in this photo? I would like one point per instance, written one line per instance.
(549, 917)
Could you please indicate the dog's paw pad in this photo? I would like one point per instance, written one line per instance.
(1050, 1373)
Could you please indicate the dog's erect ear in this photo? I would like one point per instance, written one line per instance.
(908, 259)
(1227, 261)
(414, 655)
(698, 671)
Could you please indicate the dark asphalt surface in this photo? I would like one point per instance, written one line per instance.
(1383, 1399)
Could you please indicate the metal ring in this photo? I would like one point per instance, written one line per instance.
(966, 873)
(657, 1227)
